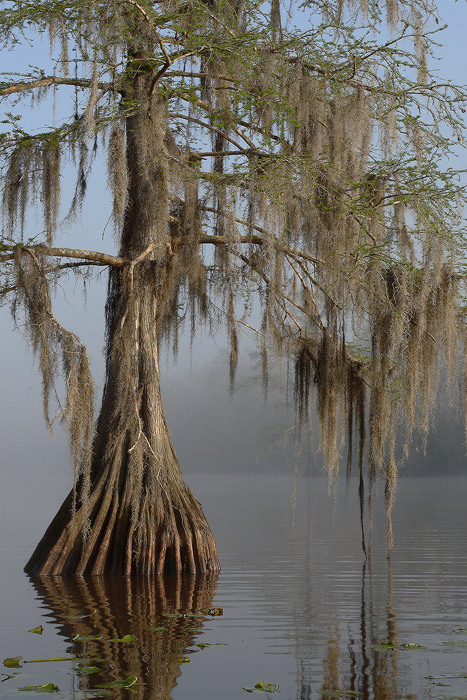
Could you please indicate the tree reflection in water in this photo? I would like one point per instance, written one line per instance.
(353, 665)
(113, 608)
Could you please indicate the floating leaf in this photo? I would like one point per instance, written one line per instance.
(157, 629)
(127, 639)
(78, 617)
(341, 693)
(392, 646)
(37, 630)
(410, 645)
(13, 662)
(203, 645)
(461, 630)
(456, 644)
(41, 661)
(87, 637)
(7, 677)
(263, 687)
(183, 660)
(125, 683)
(215, 611)
(44, 688)
(88, 670)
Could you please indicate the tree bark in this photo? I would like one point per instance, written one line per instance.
(138, 517)
(132, 513)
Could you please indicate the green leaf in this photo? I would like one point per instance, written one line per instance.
(183, 660)
(37, 630)
(41, 661)
(127, 639)
(263, 687)
(13, 662)
(410, 645)
(203, 645)
(456, 644)
(44, 688)
(88, 670)
(87, 637)
(125, 683)
(461, 630)
(392, 646)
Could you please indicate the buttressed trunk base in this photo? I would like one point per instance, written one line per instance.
(132, 513)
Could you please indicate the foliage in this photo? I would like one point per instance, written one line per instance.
(283, 171)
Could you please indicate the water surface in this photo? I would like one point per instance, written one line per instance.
(301, 607)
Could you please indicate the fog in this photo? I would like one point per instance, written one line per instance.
(212, 431)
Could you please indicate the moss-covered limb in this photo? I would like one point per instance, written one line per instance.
(75, 253)
(15, 87)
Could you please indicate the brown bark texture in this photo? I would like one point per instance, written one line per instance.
(132, 513)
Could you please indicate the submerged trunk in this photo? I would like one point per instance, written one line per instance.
(138, 516)
(132, 513)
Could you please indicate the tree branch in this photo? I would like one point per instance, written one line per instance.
(89, 255)
(51, 80)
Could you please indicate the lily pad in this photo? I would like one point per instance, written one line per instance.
(127, 639)
(13, 662)
(124, 683)
(461, 630)
(203, 645)
(263, 687)
(87, 670)
(392, 646)
(44, 688)
(87, 637)
(37, 630)
(42, 661)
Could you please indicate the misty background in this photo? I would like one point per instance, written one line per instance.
(213, 432)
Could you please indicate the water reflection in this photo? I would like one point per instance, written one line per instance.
(165, 615)
(353, 665)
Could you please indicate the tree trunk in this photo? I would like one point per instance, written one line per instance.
(139, 517)
(132, 513)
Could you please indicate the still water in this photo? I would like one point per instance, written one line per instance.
(295, 606)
